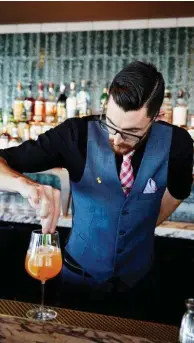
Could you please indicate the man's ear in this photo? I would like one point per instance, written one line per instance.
(160, 115)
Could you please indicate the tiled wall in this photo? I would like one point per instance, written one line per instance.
(96, 56)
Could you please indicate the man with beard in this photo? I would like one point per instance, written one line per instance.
(128, 173)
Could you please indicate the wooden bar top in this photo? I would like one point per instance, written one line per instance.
(77, 327)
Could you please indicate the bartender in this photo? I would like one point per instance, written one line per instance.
(128, 171)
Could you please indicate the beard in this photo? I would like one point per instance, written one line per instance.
(121, 149)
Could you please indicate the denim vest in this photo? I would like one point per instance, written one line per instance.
(113, 235)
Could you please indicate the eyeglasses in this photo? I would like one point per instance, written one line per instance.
(127, 137)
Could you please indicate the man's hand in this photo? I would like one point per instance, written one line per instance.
(45, 199)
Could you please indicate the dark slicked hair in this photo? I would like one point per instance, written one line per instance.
(137, 85)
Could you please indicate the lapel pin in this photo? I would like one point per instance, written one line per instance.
(99, 180)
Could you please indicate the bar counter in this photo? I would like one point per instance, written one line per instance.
(15, 209)
(173, 257)
(77, 327)
(166, 229)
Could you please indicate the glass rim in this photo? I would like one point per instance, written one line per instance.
(40, 233)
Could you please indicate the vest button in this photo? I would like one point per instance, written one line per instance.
(121, 232)
(119, 251)
(124, 212)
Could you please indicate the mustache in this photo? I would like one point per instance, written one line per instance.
(119, 145)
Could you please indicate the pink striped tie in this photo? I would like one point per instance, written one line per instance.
(126, 173)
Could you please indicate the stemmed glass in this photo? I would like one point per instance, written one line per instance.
(43, 261)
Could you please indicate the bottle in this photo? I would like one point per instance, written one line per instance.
(61, 105)
(104, 100)
(29, 103)
(167, 107)
(50, 105)
(18, 103)
(11, 123)
(192, 121)
(180, 110)
(191, 128)
(83, 100)
(23, 124)
(11, 116)
(186, 333)
(14, 140)
(71, 103)
(39, 107)
(26, 134)
(4, 137)
(35, 130)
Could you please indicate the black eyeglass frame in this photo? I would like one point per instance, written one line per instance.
(104, 126)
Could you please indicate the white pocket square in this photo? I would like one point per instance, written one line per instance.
(150, 187)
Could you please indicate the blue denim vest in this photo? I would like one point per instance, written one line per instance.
(113, 235)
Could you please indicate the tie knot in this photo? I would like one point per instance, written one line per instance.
(128, 156)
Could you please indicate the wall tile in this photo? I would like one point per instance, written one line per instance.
(4, 29)
(185, 22)
(99, 25)
(133, 24)
(86, 26)
(28, 28)
(95, 55)
(53, 27)
(162, 23)
(105, 25)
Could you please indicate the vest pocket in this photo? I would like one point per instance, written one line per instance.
(152, 196)
(76, 245)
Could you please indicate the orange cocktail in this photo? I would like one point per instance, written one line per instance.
(44, 263)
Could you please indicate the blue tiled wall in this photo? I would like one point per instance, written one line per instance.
(95, 56)
(185, 212)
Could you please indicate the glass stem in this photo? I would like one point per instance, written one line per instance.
(42, 295)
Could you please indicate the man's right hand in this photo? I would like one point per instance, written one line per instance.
(45, 199)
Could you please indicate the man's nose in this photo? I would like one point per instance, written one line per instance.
(118, 139)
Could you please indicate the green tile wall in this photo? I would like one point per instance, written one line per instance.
(95, 56)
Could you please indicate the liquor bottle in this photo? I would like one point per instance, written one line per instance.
(61, 105)
(18, 103)
(26, 134)
(14, 140)
(192, 121)
(191, 127)
(39, 107)
(186, 331)
(35, 129)
(24, 115)
(180, 110)
(50, 105)
(11, 116)
(167, 107)
(83, 100)
(11, 123)
(29, 103)
(71, 103)
(104, 100)
(4, 137)
(23, 124)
